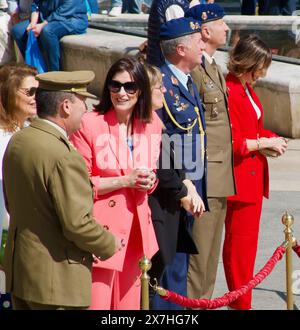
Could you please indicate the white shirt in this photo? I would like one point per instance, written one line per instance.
(255, 106)
(60, 129)
(208, 57)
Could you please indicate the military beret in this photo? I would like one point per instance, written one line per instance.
(206, 12)
(67, 81)
(179, 27)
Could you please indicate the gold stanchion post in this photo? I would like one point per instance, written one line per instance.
(288, 220)
(145, 265)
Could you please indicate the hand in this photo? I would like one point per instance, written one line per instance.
(37, 29)
(119, 244)
(142, 179)
(193, 204)
(278, 144)
(196, 201)
(30, 26)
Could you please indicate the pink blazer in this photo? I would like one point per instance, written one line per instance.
(107, 155)
(250, 168)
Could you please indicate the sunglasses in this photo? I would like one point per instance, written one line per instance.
(29, 91)
(115, 86)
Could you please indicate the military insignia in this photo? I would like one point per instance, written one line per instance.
(214, 113)
(183, 105)
(174, 80)
(194, 26)
(171, 92)
(177, 102)
(209, 85)
(204, 16)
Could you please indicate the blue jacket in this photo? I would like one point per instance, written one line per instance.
(188, 142)
(157, 16)
(71, 13)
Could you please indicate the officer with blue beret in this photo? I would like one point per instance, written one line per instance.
(207, 233)
(184, 122)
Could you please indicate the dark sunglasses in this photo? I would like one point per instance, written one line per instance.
(115, 86)
(29, 91)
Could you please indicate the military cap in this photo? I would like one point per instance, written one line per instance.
(67, 81)
(206, 12)
(179, 27)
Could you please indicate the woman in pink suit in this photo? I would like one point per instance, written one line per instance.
(120, 142)
(249, 60)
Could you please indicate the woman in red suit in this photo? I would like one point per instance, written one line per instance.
(249, 60)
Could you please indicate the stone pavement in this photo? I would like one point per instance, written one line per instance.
(284, 195)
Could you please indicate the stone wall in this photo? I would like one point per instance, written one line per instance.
(279, 91)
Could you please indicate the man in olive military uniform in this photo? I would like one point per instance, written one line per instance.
(52, 235)
(209, 79)
(184, 122)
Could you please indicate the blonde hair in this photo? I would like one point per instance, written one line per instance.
(154, 75)
(249, 55)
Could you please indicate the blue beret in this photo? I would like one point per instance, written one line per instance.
(206, 12)
(179, 27)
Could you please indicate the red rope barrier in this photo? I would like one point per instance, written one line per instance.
(230, 296)
(296, 248)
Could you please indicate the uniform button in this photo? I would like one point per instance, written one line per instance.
(106, 227)
(216, 99)
(189, 119)
(111, 203)
(252, 172)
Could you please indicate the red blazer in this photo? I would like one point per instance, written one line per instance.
(250, 168)
(107, 155)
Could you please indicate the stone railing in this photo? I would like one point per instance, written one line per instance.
(279, 91)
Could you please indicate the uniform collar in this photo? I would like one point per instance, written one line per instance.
(180, 75)
(60, 129)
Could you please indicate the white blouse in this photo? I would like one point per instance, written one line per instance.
(255, 106)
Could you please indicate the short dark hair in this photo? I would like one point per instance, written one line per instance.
(137, 72)
(47, 102)
(249, 55)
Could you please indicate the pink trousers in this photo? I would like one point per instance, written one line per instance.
(114, 290)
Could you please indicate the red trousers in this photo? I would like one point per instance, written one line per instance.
(240, 246)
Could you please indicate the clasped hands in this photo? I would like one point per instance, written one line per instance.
(36, 28)
(142, 179)
(277, 144)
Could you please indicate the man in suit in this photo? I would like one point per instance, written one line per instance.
(183, 118)
(52, 234)
(209, 79)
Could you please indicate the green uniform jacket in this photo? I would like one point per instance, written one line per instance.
(52, 233)
(213, 92)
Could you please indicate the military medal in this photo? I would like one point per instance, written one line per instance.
(174, 80)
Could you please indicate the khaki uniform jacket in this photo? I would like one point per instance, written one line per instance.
(212, 88)
(52, 234)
